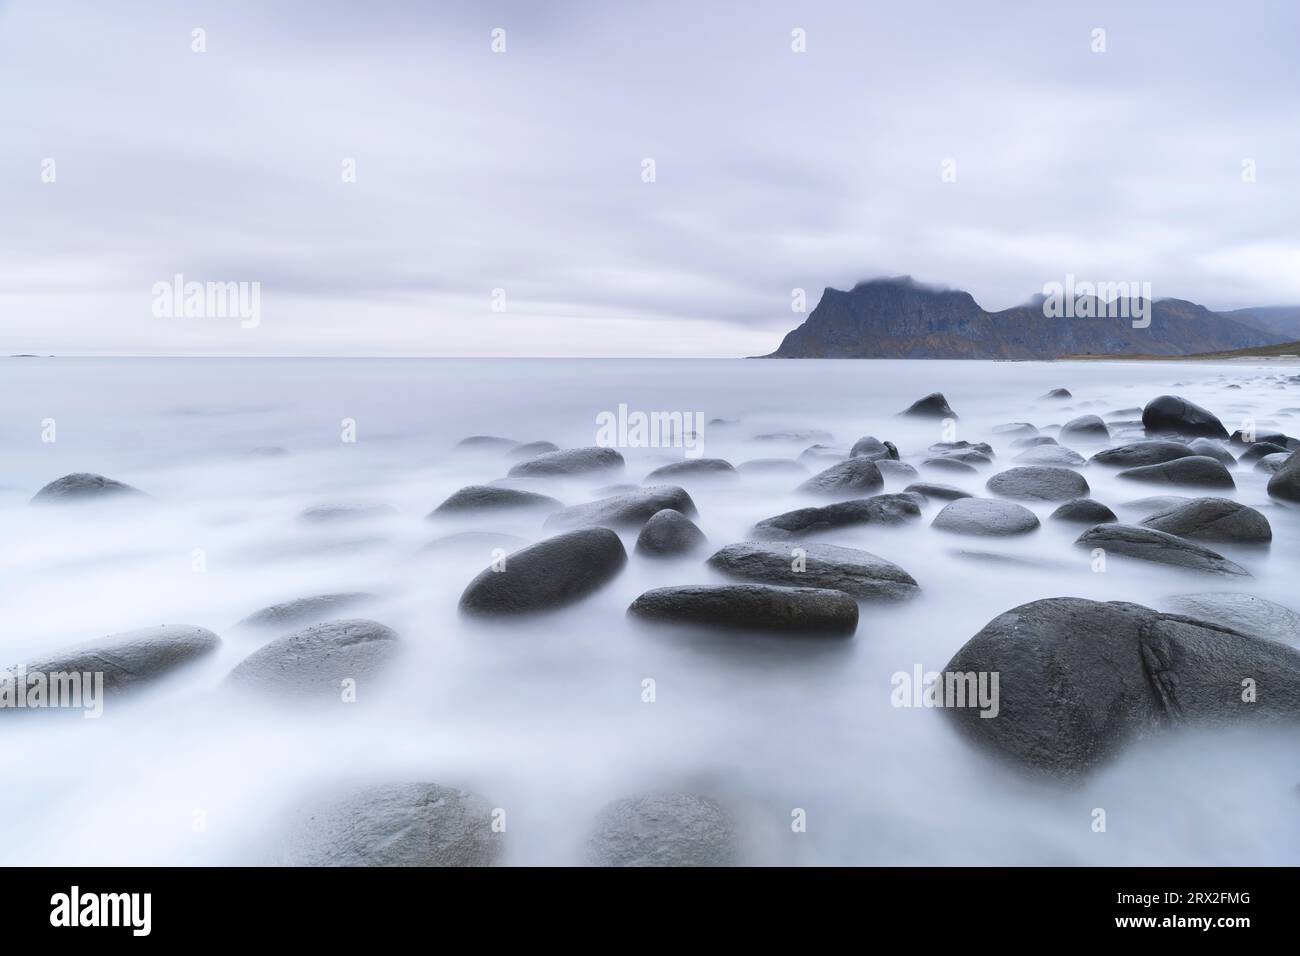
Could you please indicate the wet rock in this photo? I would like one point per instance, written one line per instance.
(1259, 450)
(671, 829)
(1271, 463)
(1015, 430)
(969, 456)
(1084, 511)
(985, 516)
(858, 573)
(306, 610)
(1059, 393)
(1139, 453)
(946, 449)
(1285, 482)
(669, 533)
(693, 468)
(896, 470)
(938, 492)
(494, 498)
(933, 405)
(1039, 483)
(402, 824)
(1197, 470)
(1078, 680)
(1213, 519)
(890, 509)
(1245, 613)
(315, 661)
(762, 607)
(1170, 413)
(550, 574)
(1147, 544)
(1210, 448)
(347, 511)
(855, 477)
(131, 659)
(1086, 429)
(1050, 455)
(786, 467)
(83, 486)
(532, 449)
(630, 510)
(570, 461)
(1273, 438)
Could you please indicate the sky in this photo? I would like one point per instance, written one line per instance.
(394, 185)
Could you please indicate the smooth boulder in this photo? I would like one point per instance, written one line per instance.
(631, 509)
(83, 486)
(494, 498)
(306, 610)
(1160, 547)
(547, 575)
(570, 461)
(762, 607)
(1172, 413)
(1213, 519)
(853, 478)
(1084, 511)
(1285, 482)
(1135, 454)
(985, 516)
(669, 534)
(889, 509)
(933, 405)
(693, 468)
(1050, 455)
(130, 659)
(1039, 483)
(859, 573)
(1086, 429)
(1197, 470)
(939, 492)
(873, 448)
(315, 661)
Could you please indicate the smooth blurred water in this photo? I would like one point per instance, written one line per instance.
(545, 717)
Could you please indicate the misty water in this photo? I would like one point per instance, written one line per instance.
(545, 716)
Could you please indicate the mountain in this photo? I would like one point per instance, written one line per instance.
(901, 318)
(1282, 319)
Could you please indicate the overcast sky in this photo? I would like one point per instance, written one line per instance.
(523, 170)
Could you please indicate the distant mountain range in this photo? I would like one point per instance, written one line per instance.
(901, 318)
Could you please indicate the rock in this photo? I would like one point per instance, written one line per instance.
(858, 573)
(1032, 441)
(1259, 450)
(401, 824)
(83, 486)
(817, 456)
(1147, 544)
(950, 465)
(933, 405)
(1197, 470)
(570, 461)
(896, 470)
(1285, 482)
(1149, 506)
(1039, 483)
(1273, 438)
(1060, 393)
(852, 478)
(486, 443)
(532, 449)
(671, 829)
(751, 606)
(1271, 463)
(1084, 511)
(669, 533)
(315, 661)
(873, 448)
(945, 449)
(879, 509)
(630, 510)
(970, 456)
(130, 659)
(484, 542)
(772, 466)
(1016, 429)
(985, 516)
(306, 610)
(1078, 680)
(1241, 612)
(939, 492)
(347, 511)
(1050, 455)
(1139, 453)
(1170, 413)
(494, 498)
(1210, 448)
(1085, 429)
(693, 468)
(550, 574)
(1213, 519)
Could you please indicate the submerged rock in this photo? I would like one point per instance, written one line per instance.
(1147, 544)
(947, 448)
(83, 486)
(1285, 482)
(939, 492)
(1271, 464)
(486, 443)
(1197, 470)
(1210, 448)
(130, 659)
(858, 573)
(1078, 680)
(1213, 519)
(570, 461)
(1171, 413)
(933, 405)
(985, 516)
(693, 468)
(896, 470)
(1241, 612)
(670, 829)
(306, 610)
(550, 574)
(761, 607)
(314, 662)
(1039, 483)
(879, 509)
(1259, 450)
(669, 533)
(402, 824)
(1084, 511)
(950, 465)
(532, 449)
(854, 477)
(1050, 455)
(1138, 453)
(873, 448)
(347, 511)
(630, 510)
(494, 498)
(1059, 393)
(1085, 429)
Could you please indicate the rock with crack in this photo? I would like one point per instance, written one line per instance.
(570, 462)
(1198, 470)
(314, 662)
(1138, 453)
(1213, 519)
(891, 509)
(629, 510)
(848, 479)
(751, 607)
(1147, 544)
(855, 572)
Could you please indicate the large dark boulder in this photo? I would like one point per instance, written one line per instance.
(1285, 482)
(1078, 680)
(1178, 416)
(669, 534)
(1138, 453)
(761, 607)
(936, 491)
(1198, 470)
(889, 509)
(853, 478)
(859, 573)
(631, 509)
(1147, 544)
(83, 486)
(873, 448)
(570, 461)
(1086, 429)
(1084, 511)
(547, 575)
(985, 516)
(933, 405)
(1213, 519)
(1039, 483)
(1213, 448)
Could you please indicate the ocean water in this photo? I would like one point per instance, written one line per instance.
(545, 717)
